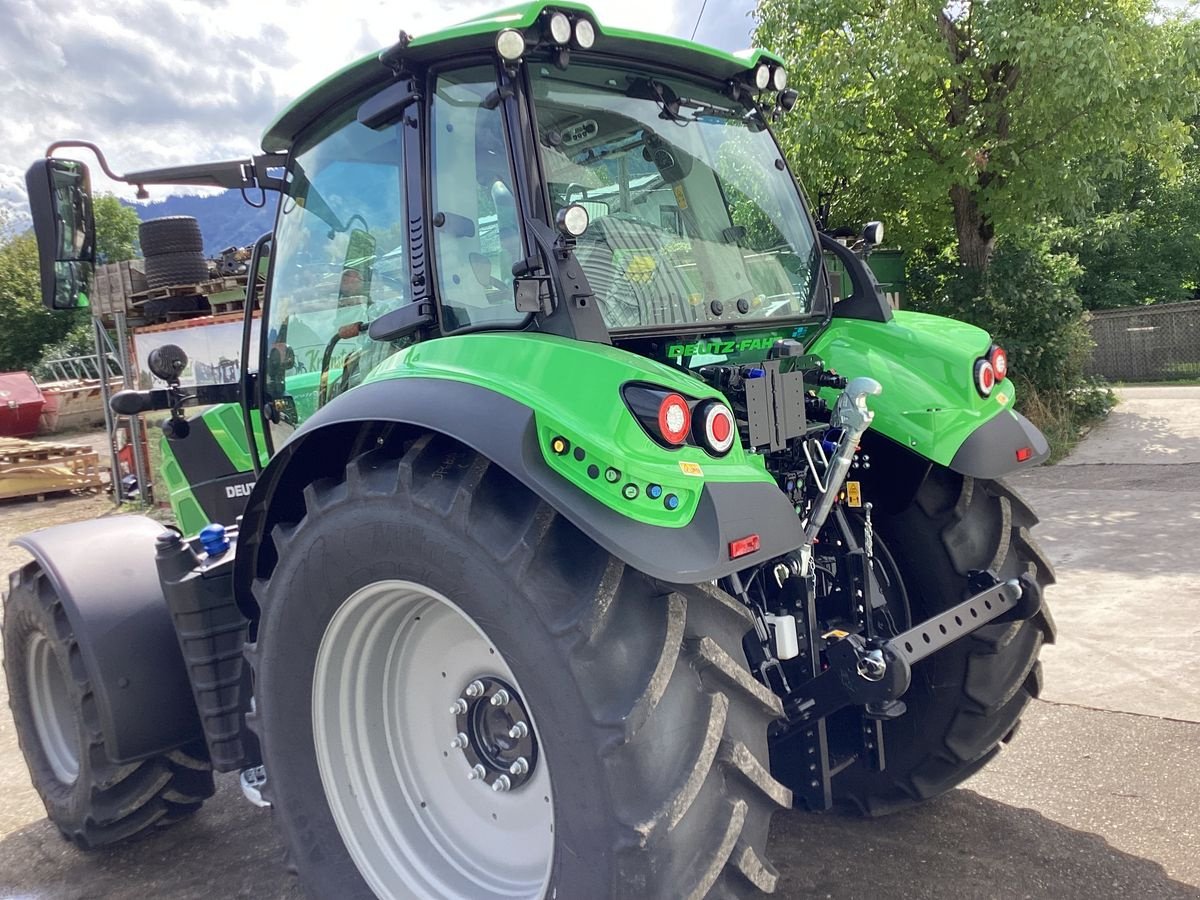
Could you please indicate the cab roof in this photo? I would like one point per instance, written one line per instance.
(479, 34)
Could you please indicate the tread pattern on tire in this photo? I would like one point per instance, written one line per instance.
(109, 803)
(707, 830)
(169, 269)
(170, 234)
(978, 524)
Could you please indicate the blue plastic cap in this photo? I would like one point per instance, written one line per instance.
(654, 491)
(756, 373)
(212, 539)
(671, 501)
(828, 446)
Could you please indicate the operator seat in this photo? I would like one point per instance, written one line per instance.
(633, 276)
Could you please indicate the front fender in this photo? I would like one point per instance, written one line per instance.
(929, 402)
(103, 571)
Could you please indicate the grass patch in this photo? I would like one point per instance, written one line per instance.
(1064, 417)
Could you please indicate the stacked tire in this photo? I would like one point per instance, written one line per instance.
(174, 251)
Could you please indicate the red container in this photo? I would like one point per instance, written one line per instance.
(21, 404)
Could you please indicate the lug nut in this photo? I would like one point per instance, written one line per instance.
(459, 707)
(476, 773)
(460, 741)
(520, 767)
(501, 784)
(500, 698)
(474, 689)
(518, 731)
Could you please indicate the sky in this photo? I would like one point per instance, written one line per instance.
(182, 81)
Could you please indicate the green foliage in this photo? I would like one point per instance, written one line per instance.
(116, 230)
(1143, 243)
(978, 119)
(25, 325)
(1026, 299)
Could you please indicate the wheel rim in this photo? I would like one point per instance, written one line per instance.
(393, 663)
(53, 710)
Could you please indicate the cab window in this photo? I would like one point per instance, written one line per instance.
(341, 262)
(476, 229)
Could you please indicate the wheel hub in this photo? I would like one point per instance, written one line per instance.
(494, 734)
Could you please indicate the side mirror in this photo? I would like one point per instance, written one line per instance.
(873, 234)
(60, 202)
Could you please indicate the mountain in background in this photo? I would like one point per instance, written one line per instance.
(226, 220)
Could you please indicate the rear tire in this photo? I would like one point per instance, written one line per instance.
(966, 701)
(93, 801)
(653, 737)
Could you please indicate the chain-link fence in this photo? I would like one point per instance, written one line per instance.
(1160, 342)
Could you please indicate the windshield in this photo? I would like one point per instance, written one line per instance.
(694, 218)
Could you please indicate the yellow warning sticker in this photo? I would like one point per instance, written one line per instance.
(853, 493)
(836, 634)
(691, 468)
(1002, 398)
(680, 196)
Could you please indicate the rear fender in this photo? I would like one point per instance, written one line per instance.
(929, 403)
(507, 433)
(104, 573)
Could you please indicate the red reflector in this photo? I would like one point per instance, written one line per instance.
(674, 419)
(720, 427)
(1024, 453)
(742, 546)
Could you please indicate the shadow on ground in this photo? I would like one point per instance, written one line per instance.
(960, 846)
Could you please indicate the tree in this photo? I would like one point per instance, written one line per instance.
(26, 326)
(978, 119)
(116, 229)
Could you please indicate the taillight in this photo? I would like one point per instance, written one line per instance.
(985, 377)
(674, 419)
(999, 361)
(715, 428)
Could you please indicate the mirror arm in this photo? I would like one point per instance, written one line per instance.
(229, 174)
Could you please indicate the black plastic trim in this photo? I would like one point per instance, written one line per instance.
(504, 431)
(991, 450)
(103, 571)
(867, 301)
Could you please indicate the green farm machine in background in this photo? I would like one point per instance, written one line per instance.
(561, 526)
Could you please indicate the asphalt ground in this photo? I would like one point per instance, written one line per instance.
(1095, 798)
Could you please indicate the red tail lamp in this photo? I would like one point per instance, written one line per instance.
(674, 419)
(1024, 454)
(999, 360)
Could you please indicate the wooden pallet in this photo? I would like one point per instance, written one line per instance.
(34, 469)
(203, 289)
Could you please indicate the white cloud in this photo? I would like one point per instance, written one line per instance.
(169, 83)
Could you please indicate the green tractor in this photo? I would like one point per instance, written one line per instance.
(559, 527)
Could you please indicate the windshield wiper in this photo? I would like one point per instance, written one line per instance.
(670, 104)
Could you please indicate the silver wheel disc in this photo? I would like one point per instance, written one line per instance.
(393, 660)
(53, 710)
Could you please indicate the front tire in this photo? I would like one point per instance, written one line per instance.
(93, 801)
(966, 701)
(650, 780)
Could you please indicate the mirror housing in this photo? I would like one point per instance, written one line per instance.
(60, 202)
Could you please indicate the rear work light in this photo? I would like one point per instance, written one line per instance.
(999, 360)
(985, 377)
(714, 427)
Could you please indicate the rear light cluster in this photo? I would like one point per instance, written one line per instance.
(990, 370)
(673, 420)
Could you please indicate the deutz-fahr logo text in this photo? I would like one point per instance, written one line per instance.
(721, 346)
(239, 490)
